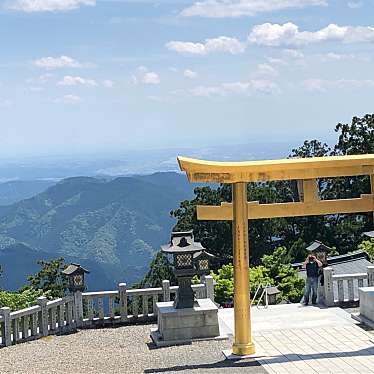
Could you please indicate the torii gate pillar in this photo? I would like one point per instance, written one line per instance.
(243, 344)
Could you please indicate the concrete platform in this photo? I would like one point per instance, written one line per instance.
(287, 316)
(296, 339)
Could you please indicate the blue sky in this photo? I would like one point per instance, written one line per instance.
(80, 76)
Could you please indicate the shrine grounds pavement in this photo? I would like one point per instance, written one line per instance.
(289, 339)
(124, 350)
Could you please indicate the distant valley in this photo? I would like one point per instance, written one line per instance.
(111, 226)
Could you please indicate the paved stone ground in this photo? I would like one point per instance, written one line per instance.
(126, 350)
(295, 339)
(288, 338)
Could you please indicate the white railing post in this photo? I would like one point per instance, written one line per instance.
(122, 287)
(166, 290)
(5, 313)
(209, 286)
(328, 286)
(78, 308)
(43, 325)
(370, 271)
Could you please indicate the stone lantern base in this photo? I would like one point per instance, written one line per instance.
(178, 326)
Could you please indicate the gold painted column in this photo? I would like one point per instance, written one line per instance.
(242, 313)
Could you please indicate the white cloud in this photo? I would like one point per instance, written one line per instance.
(220, 44)
(159, 99)
(293, 54)
(238, 8)
(248, 88)
(288, 34)
(143, 75)
(190, 74)
(42, 79)
(331, 56)
(323, 85)
(35, 89)
(266, 70)
(31, 6)
(151, 78)
(5, 103)
(69, 80)
(355, 4)
(57, 62)
(108, 83)
(67, 99)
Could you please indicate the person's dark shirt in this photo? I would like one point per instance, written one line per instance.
(312, 269)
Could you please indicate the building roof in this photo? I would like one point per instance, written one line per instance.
(370, 234)
(350, 264)
(317, 246)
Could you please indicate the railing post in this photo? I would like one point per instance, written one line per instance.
(7, 339)
(209, 287)
(122, 287)
(43, 325)
(166, 290)
(328, 286)
(78, 308)
(370, 271)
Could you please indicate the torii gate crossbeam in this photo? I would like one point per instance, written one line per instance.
(306, 171)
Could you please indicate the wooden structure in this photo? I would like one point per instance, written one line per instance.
(306, 171)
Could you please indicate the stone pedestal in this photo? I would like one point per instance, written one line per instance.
(366, 315)
(177, 326)
(367, 302)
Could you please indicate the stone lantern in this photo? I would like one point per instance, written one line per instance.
(74, 274)
(186, 318)
(202, 262)
(183, 248)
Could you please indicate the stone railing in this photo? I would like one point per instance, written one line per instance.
(131, 305)
(46, 318)
(88, 310)
(342, 289)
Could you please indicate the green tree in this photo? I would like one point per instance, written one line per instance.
(19, 300)
(159, 269)
(368, 247)
(274, 270)
(49, 278)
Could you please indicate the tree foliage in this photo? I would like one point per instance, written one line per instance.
(274, 270)
(19, 300)
(368, 247)
(49, 278)
(159, 269)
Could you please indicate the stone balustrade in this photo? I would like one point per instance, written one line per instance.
(88, 310)
(342, 289)
(45, 318)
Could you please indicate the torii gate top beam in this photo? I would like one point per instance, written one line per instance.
(269, 170)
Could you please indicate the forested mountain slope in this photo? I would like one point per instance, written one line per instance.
(116, 224)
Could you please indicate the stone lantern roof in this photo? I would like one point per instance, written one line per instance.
(182, 241)
(74, 268)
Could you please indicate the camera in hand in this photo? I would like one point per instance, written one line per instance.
(312, 258)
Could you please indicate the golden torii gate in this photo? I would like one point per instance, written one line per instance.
(305, 171)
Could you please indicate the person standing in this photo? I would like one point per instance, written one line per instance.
(312, 265)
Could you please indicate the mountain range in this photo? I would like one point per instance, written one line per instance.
(111, 226)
